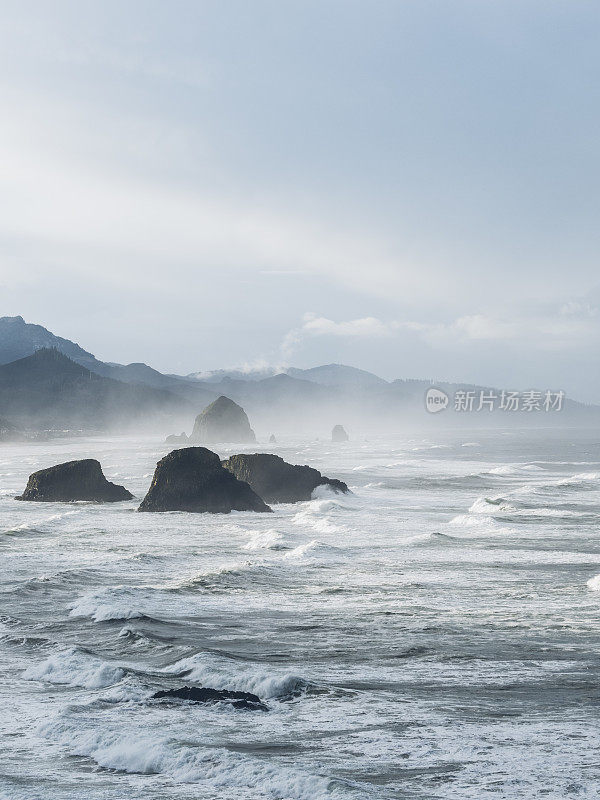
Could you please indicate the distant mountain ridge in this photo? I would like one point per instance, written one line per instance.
(58, 383)
(326, 375)
(19, 339)
(48, 390)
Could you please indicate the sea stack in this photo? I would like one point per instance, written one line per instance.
(175, 439)
(276, 481)
(222, 421)
(338, 434)
(272, 439)
(74, 480)
(193, 479)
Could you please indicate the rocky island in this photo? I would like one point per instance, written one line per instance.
(222, 421)
(193, 479)
(276, 481)
(72, 481)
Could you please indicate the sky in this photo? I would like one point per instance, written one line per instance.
(409, 187)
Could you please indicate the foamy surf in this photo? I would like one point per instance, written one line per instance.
(594, 584)
(266, 540)
(150, 753)
(73, 667)
(105, 605)
(220, 673)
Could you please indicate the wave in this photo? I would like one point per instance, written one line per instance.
(514, 469)
(316, 514)
(221, 674)
(579, 479)
(108, 604)
(594, 583)
(489, 505)
(150, 753)
(266, 540)
(74, 667)
(499, 505)
(313, 548)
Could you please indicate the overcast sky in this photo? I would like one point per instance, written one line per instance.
(410, 187)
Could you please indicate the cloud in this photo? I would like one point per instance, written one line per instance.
(569, 325)
(313, 325)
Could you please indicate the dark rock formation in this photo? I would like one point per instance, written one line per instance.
(193, 479)
(222, 421)
(175, 439)
(272, 439)
(75, 480)
(338, 434)
(275, 480)
(244, 700)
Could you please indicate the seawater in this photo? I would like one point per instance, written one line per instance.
(432, 635)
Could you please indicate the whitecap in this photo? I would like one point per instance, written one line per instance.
(222, 674)
(594, 583)
(266, 540)
(73, 667)
(487, 505)
(150, 753)
(104, 605)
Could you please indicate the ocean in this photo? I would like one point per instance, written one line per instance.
(434, 634)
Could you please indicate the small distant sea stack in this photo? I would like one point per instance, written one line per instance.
(276, 481)
(222, 421)
(338, 434)
(175, 439)
(74, 480)
(272, 439)
(193, 479)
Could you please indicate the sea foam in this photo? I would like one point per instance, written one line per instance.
(73, 667)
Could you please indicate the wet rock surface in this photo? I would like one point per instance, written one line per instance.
(72, 481)
(276, 481)
(193, 479)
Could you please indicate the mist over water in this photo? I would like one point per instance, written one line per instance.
(432, 635)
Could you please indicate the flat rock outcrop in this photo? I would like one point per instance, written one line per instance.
(193, 479)
(222, 421)
(245, 700)
(276, 481)
(74, 480)
(338, 434)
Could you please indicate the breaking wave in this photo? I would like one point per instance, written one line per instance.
(222, 674)
(213, 769)
(73, 667)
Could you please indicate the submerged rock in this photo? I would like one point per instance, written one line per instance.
(74, 480)
(338, 434)
(175, 439)
(276, 481)
(222, 421)
(244, 700)
(193, 479)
